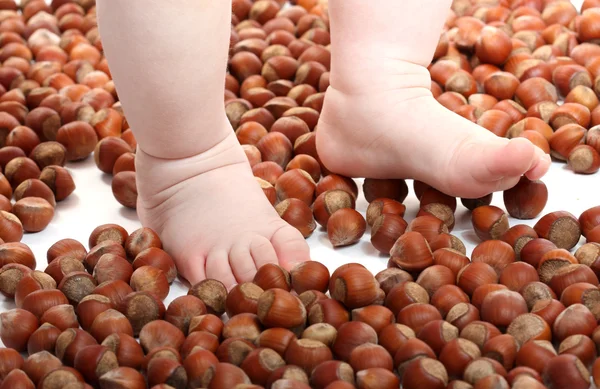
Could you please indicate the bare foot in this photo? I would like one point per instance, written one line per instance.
(392, 127)
(213, 217)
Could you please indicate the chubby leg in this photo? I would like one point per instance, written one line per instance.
(380, 119)
(168, 59)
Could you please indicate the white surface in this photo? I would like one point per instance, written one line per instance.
(93, 204)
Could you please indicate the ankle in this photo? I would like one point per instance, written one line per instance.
(156, 174)
(364, 75)
(183, 139)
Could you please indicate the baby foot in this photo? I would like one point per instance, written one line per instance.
(394, 128)
(213, 217)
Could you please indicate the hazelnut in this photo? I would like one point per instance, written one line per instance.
(405, 294)
(474, 275)
(395, 189)
(376, 378)
(446, 297)
(108, 232)
(328, 311)
(565, 326)
(59, 180)
(61, 316)
(329, 202)
(278, 308)
(309, 276)
(107, 151)
(160, 333)
(233, 350)
(533, 251)
(271, 276)
(434, 277)
(197, 364)
(584, 159)
(40, 301)
(35, 213)
(529, 326)
(417, 315)
(182, 309)
(209, 323)
(297, 184)
(457, 354)
(122, 377)
(333, 182)
(10, 276)
(354, 286)
(94, 361)
(34, 188)
(580, 346)
(224, 375)
(212, 293)
(125, 163)
(70, 342)
(39, 364)
(141, 308)
(566, 370)
(162, 370)
(489, 222)
(60, 378)
(527, 199)
(110, 322)
(243, 298)
(425, 371)
(518, 274)
(561, 228)
(98, 251)
(307, 354)
(16, 326)
(20, 169)
(111, 267)
(244, 325)
(411, 252)
(124, 189)
(496, 253)
(298, 214)
(151, 279)
(43, 339)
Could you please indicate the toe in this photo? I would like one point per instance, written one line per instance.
(241, 261)
(192, 269)
(540, 168)
(511, 160)
(217, 267)
(262, 251)
(290, 246)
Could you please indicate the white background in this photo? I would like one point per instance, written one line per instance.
(93, 204)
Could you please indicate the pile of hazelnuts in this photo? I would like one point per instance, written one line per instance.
(58, 104)
(522, 312)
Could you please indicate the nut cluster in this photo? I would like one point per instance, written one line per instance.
(521, 311)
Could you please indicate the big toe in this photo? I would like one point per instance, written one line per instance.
(290, 246)
(513, 159)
